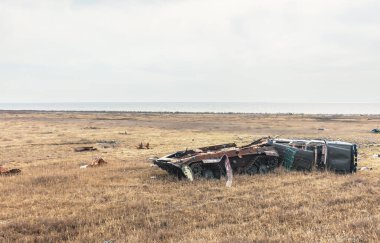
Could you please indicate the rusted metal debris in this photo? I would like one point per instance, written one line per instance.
(260, 157)
(375, 130)
(84, 149)
(9, 172)
(95, 163)
(143, 146)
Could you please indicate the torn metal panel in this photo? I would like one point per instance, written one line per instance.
(341, 157)
(218, 147)
(229, 173)
(188, 172)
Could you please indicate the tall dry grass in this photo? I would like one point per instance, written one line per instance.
(127, 200)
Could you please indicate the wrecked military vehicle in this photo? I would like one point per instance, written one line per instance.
(260, 157)
(256, 157)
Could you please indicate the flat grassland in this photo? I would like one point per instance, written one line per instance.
(128, 200)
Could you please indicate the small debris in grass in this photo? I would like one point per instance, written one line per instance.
(84, 149)
(92, 128)
(9, 172)
(107, 144)
(321, 129)
(153, 177)
(143, 146)
(365, 168)
(375, 130)
(95, 163)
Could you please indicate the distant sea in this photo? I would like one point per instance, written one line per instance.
(209, 107)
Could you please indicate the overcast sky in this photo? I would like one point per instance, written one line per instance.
(189, 50)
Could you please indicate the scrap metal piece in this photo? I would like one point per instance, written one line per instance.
(375, 130)
(84, 149)
(228, 171)
(95, 163)
(9, 172)
(188, 172)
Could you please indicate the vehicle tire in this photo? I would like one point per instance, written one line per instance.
(262, 164)
(210, 171)
(197, 169)
(252, 169)
(263, 169)
(208, 174)
(216, 170)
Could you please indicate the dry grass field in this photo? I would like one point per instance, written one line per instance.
(129, 201)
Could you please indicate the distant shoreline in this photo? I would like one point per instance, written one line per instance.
(200, 108)
(185, 113)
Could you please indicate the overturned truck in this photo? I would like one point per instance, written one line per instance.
(260, 157)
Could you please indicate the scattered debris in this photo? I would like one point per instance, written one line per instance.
(123, 133)
(376, 156)
(107, 141)
(365, 168)
(142, 146)
(95, 163)
(98, 162)
(153, 177)
(92, 128)
(372, 145)
(260, 157)
(9, 172)
(107, 144)
(84, 149)
(376, 130)
(3, 222)
(321, 129)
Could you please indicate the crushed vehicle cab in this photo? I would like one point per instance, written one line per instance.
(340, 157)
(257, 157)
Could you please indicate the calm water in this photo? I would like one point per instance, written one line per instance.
(219, 107)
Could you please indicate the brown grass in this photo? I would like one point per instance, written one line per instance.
(53, 200)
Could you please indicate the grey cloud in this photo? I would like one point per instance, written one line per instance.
(198, 50)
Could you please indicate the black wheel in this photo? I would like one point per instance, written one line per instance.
(197, 169)
(263, 169)
(251, 169)
(209, 171)
(218, 171)
(208, 174)
(261, 164)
